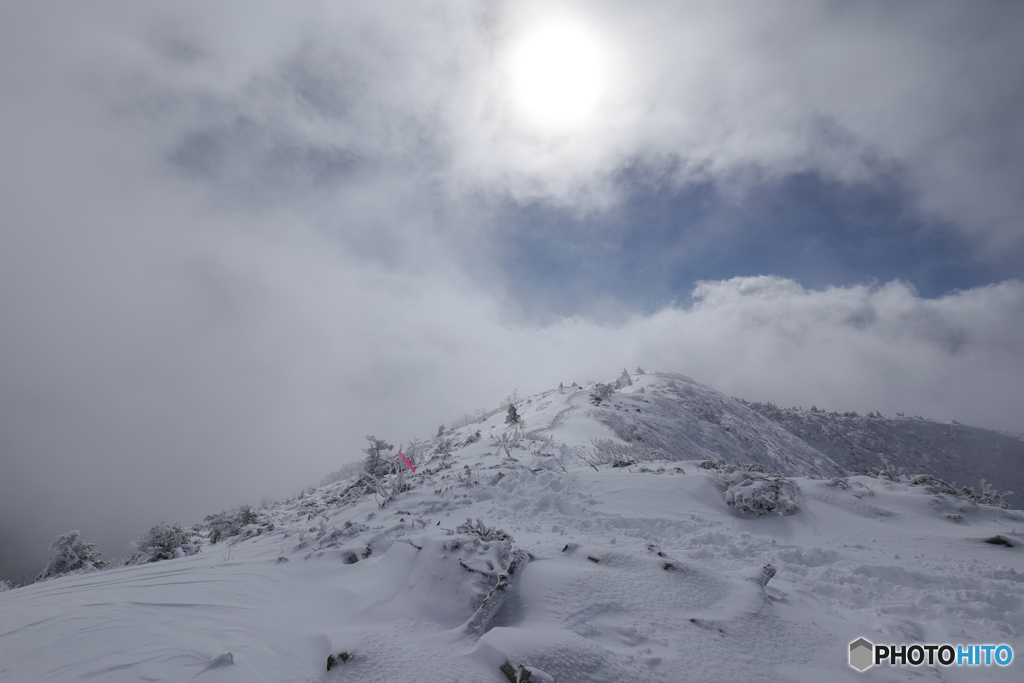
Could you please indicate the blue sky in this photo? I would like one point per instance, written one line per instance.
(235, 240)
(649, 251)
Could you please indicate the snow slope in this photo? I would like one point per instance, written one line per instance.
(954, 452)
(630, 573)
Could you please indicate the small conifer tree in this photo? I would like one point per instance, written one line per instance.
(166, 542)
(512, 418)
(73, 555)
(377, 462)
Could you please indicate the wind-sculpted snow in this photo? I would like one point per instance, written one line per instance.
(522, 549)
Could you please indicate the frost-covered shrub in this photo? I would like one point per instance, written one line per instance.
(165, 542)
(478, 416)
(619, 454)
(73, 555)
(703, 407)
(346, 471)
(986, 495)
(417, 450)
(932, 484)
(484, 551)
(629, 431)
(230, 522)
(384, 474)
(557, 458)
(387, 486)
(889, 471)
(5, 586)
(758, 493)
(482, 530)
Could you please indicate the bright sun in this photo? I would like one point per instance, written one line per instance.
(557, 74)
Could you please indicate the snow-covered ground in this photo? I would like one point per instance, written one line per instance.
(543, 547)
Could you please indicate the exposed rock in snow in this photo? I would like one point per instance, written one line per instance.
(226, 659)
(765, 575)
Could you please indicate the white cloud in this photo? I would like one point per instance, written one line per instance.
(266, 97)
(843, 90)
(858, 347)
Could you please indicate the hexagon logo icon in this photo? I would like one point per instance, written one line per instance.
(861, 654)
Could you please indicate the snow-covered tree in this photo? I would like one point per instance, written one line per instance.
(72, 555)
(512, 417)
(165, 542)
(377, 463)
(624, 380)
(5, 586)
(385, 473)
(230, 522)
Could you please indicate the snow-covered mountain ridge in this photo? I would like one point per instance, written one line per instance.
(593, 541)
(957, 453)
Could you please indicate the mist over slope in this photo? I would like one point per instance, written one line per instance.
(647, 529)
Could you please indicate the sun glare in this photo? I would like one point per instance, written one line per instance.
(557, 74)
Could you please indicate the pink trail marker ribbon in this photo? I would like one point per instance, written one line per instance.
(406, 461)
